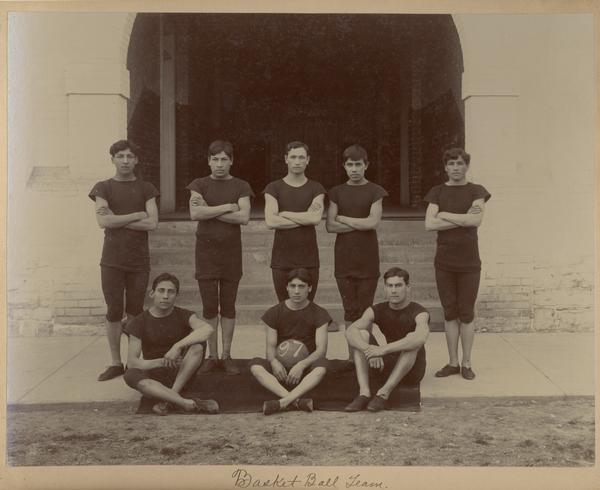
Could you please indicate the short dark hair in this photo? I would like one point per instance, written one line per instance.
(165, 276)
(301, 274)
(396, 272)
(355, 152)
(124, 145)
(454, 153)
(218, 146)
(296, 144)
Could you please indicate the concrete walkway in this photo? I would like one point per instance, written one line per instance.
(64, 369)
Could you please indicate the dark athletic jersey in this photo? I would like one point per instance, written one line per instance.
(219, 244)
(159, 334)
(356, 252)
(397, 324)
(294, 247)
(296, 324)
(123, 248)
(457, 249)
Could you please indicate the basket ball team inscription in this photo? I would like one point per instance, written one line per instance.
(169, 345)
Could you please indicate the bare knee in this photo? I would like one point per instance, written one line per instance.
(257, 370)
(319, 371)
(195, 350)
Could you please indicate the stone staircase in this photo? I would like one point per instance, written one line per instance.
(402, 243)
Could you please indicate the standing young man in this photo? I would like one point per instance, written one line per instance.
(354, 213)
(300, 319)
(220, 203)
(455, 211)
(293, 207)
(405, 326)
(126, 209)
(166, 347)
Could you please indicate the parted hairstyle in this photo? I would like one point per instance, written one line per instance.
(396, 272)
(165, 276)
(301, 274)
(218, 146)
(124, 145)
(355, 152)
(296, 144)
(454, 153)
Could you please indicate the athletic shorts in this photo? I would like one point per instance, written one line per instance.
(280, 281)
(123, 291)
(458, 293)
(163, 375)
(357, 295)
(413, 377)
(218, 296)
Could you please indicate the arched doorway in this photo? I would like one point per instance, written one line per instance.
(389, 82)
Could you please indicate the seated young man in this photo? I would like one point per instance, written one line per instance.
(172, 341)
(405, 326)
(300, 319)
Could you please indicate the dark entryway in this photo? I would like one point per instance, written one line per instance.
(389, 82)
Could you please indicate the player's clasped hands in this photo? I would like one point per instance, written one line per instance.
(172, 359)
(293, 378)
(374, 351)
(279, 371)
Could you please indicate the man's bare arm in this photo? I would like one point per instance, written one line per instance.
(433, 223)
(272, 218)
(240, 217)
(200, 210)
(151, 222)
(371, 222)
(107, 219)
(311, 217)
(472, 219)
(134, 356)
(365, 322)
(414, 340)
(332, 225)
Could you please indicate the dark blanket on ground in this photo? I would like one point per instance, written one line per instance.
(242, 393)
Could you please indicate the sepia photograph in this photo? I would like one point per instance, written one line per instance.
(298, 246)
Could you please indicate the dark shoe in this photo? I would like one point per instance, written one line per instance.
(112, 372)
(358, 404)
(229, 366)
(305, 404)
(467, 373)
(162, 408)
(377, 404)
(206, 406)
(270, 407)
(210, 365)
(447, 370)
(333, 327)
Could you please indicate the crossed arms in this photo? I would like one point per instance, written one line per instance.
(276, 220)
(234, 213)
(141, 220)
(413, 340)
(293, 377)
(336, 223)
(436, 220)
(172, 359)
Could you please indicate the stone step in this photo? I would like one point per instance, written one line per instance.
(260, 273)
(161, 257)
(326, 293)
(251, 314)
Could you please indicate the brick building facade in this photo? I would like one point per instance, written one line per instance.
(77, 82)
